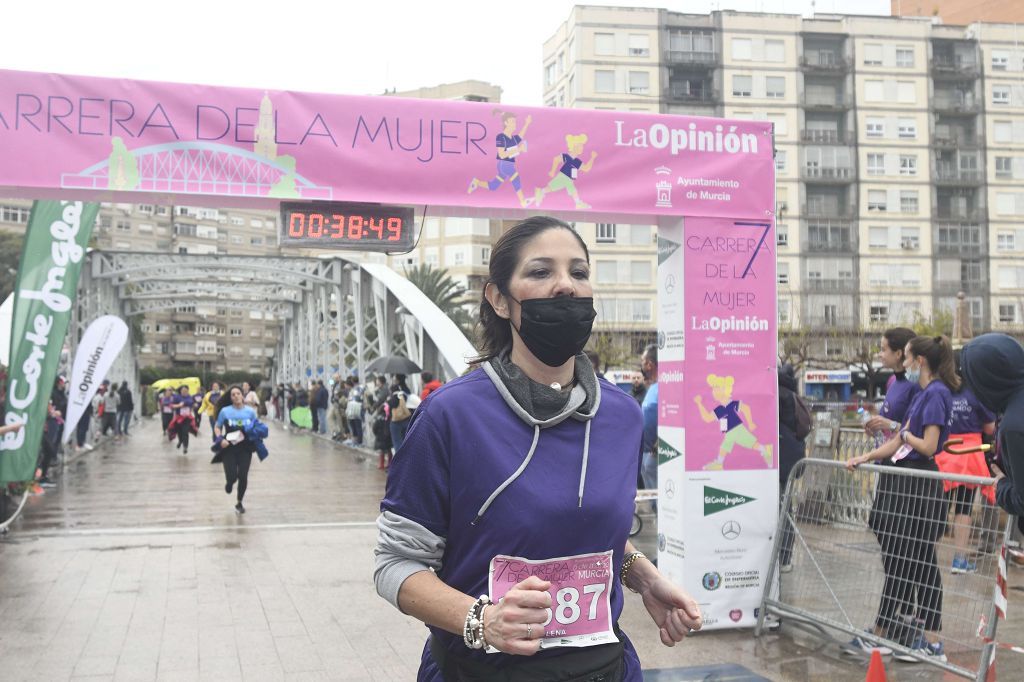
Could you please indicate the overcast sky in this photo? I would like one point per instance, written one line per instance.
(339, 46)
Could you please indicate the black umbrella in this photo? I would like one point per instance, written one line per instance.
(393, 364)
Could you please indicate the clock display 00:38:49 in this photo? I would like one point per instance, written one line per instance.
(340, 226)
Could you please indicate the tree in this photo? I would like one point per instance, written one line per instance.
(941, 322)
(614, 350)
(10, 256)
(437, 285)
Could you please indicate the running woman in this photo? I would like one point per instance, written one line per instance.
(183, 422)
(571, 166)
(166, 411)
(209, 404)
(510, 145)
(235, 450)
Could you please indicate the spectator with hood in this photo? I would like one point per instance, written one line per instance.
(993, 368)
(791, 449)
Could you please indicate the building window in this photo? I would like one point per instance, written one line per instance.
(1000, 60)
(774, 51)
(485, 255)
(741, 49)
(907, 129)
(877, 200)
(780, 160)
(878, 237)
(831, 314)
(549, 74)
(1001, 94)
(639, 82)
(879, 313)
(123, 225)
(908, 164)
(640, 272)
(781, 235)
(1003, 131)
(876, 164)
(1004, 167)
(784, 312)
(1008, 313)
(639, 45)
(905, 57)
(775, 87)
(1006, 241)
(235, 331)
(604, 81)
(874, 91)
(606, 233)
(741, 86)
(905, 92)
(910, 238)
(875, 127)
(783, 273)
(872, 54)
(604, 44)
(908, 201)
(256, 241)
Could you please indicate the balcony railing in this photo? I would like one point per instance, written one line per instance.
(811, 100)
(682, 94)
(818, 213)
(828, 173)
(951, 65)
(956, 139)
(955, 104)
(829, 246)
(691, 57)
(946, 213)
(826, 136)
(953, 286)
(957, 248)
(834, 285)
(956, 175)
(832, 322)
(824, 60)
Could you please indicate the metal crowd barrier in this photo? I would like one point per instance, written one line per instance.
(846, 539)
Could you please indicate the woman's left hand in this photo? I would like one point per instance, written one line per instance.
(675, 612)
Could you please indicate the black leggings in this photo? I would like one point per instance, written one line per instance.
(183, 433)
(236, 463)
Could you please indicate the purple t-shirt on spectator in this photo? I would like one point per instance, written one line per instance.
(898, 396)
(967, 414)
(930, 407)
(730, 413)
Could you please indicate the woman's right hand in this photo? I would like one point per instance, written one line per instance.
(515, 625)
(877, 423)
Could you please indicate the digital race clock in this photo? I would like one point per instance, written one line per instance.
(343, 225)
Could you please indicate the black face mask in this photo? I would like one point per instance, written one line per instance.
(556, 329)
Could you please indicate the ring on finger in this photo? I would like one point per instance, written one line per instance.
(529, 631)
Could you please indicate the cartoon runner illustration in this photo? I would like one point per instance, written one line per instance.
(572, 166)
(733, 429)
(509, 145)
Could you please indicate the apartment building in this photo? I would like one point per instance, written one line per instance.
(898, 146)
(187, 335)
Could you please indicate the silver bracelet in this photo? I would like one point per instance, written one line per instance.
(473, 628)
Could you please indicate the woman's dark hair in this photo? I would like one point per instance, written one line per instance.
(225, 400)
(938, 352)
(427, 377)
(651, 350)
(494, 331)
(182, 388)
(400, 383)
(898, 338)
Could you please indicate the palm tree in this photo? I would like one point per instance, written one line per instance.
(437, 285)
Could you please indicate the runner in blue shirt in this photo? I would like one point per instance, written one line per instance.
(568, 166)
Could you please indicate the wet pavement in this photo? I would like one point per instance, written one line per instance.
(136, 567)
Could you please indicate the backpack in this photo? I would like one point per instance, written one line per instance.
(804, 420)
(401, 411)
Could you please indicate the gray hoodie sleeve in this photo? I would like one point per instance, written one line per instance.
(404, 547)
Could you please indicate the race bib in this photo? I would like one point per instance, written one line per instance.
(575, 172)
(723, 424)
(581, 590)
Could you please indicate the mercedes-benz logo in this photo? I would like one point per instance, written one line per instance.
(670, 488)
(731, 530)
(670, 284)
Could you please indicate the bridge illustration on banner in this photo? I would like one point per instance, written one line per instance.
(196, 168)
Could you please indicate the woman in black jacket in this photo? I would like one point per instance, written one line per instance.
(125, 408)
(791, 450)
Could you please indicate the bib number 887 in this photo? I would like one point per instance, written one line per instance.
(567, 611)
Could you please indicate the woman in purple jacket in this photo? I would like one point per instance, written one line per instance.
(516, 483)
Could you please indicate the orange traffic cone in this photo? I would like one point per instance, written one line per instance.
(876, 669)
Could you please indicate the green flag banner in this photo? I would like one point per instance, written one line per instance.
(51, 262)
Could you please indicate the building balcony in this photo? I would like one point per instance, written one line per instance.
(951, 66)
(696, 57)
(951, 287)
(826, 137)
(683, 95)
(841, 286)
(831, 322)
(824, 61)
(953, 175)
(825, 213)
(952, 104)
(830, 246)
(957, 140)
(957, 249)
(968, 215)
(836, 102)
(840, 174)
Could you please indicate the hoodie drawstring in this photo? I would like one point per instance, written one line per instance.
(516, 474)
(586, 458)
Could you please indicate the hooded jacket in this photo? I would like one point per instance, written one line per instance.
(993, 368)
(791, 449)
(479, 475)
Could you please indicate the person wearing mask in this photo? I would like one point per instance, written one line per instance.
(398, 423)
(899, 390)
(125, 408)
(233, 448)
(969, 421)
(791, 450)
(649, 407)
(530, 436)
(430, 384)
(910, 512)
(993, 368)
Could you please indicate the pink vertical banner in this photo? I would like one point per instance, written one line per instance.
(731, 404)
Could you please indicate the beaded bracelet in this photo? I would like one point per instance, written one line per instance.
(473, 628)
(628, 564)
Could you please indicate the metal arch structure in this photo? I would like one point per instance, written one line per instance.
(337, 314)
